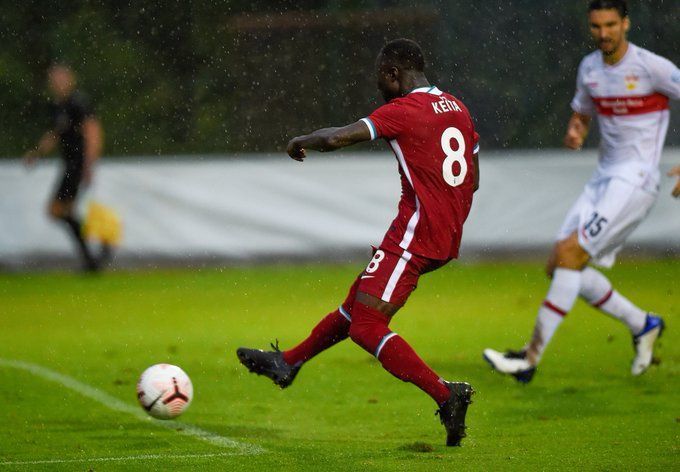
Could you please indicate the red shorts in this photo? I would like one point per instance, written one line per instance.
(391, 275)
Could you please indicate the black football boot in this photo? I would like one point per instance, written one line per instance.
(269, 364)
(452, 412)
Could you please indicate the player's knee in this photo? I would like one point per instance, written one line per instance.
(54, 211)
(364, 331)
(570, 255)
(368, 327)
(549, 270)
(59, 210)
(361, 332)
(550, 266)
(356, 331)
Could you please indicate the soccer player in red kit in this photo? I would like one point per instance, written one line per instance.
(433, 138)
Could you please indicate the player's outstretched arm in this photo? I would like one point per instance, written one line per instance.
(47, 143)
(328, 139)
(577, 130)
(675, 172)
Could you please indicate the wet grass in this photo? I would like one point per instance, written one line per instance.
(583, 410)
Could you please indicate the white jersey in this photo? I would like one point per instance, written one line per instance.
(631, 101)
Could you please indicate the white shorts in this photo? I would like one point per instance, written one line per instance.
(605, 214)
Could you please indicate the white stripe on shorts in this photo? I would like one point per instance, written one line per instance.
(385, 338)
(396, 275)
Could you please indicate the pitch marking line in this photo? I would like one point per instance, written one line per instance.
(115, 404)
(143, 457)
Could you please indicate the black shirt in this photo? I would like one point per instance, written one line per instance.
(67, 118)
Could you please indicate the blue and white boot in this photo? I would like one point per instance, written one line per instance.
(643, 342)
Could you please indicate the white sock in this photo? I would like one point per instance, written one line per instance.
(597, 290)
(560, 299)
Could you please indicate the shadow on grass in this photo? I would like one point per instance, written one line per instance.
(417, 447)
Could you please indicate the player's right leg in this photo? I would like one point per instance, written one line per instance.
(268, 363)
(569, 258)
(282, 366)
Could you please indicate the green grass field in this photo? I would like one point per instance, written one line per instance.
(582, 411)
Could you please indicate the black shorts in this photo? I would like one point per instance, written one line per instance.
(68, 187)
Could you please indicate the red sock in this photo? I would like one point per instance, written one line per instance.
(400, 360)
(330, 330)
(370, 330)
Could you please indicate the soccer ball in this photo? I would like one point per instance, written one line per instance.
(164, 391)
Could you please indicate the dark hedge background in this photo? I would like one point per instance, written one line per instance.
(212, 77)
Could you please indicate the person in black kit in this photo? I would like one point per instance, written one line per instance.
(79, 133)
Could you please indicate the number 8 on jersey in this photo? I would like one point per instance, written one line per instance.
(453, 156)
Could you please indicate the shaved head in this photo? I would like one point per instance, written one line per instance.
(399, 68)
(405, 54)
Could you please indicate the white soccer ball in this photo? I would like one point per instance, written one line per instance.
(164, 391)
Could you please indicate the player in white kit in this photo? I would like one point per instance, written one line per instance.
(628, 88)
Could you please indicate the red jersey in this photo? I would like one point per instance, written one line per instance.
(434, 139)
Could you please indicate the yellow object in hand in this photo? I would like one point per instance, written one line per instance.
(103, 223)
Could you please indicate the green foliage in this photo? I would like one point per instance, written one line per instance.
(583, 411)
(222, 76)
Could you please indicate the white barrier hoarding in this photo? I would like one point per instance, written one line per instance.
(245, 207)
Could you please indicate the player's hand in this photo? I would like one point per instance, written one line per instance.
(295, 149)
(675, 172)
(574, 138)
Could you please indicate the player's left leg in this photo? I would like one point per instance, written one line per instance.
(61, 208)
(645, 327)
(62, 211)
(597, 290)
(370, 330)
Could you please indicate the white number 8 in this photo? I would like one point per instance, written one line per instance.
(375, 262)
(453, 156)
